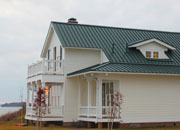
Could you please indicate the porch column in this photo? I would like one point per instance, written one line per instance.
(28, 87)
(43, 85)
(99, 97)
(89, 95)
(33, 86)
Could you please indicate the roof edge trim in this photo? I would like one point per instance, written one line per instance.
(152, 40)
(122, 73)
(51, 28)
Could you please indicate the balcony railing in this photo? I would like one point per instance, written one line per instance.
(46, 67)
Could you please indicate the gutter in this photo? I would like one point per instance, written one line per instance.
(89, 72)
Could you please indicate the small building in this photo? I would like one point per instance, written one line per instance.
(82, 65)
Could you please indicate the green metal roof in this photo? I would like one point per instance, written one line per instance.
(102, 37)
(130, 68)
(122, 59)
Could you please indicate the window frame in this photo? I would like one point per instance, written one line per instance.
(155, 54)
(147, 54)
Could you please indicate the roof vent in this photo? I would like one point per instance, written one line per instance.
(73, 20)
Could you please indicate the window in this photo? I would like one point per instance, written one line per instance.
(148, 54)
(155, 54)
(152, 54)
(107, 93)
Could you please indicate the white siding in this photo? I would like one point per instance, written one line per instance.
(150, 98)
(71, 104)
(76, 59)
(103, 57)
(53, 41)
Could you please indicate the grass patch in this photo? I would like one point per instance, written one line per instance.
(11, 126)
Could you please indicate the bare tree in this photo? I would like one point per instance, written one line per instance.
(40, 104)
(114, 108)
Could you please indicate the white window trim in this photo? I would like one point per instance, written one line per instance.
(153, 40)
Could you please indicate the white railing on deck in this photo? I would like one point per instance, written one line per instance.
(51, 111)
(92, 111)
(46, 67)
(85, 111)
(55, 111)
(30, 111)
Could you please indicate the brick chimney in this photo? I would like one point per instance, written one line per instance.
(72, 21)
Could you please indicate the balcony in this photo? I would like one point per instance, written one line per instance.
(46, 67)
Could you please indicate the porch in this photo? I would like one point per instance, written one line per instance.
(45, 67)
(96, 99)
(54, 101)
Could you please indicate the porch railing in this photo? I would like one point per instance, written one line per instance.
(88, 111)
(50, 111)
(46, 67)
(93, 111)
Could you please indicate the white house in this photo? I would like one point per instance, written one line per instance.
(81, 64)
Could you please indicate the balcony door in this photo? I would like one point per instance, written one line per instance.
(49, 65)
(107, 93)
(54, 58)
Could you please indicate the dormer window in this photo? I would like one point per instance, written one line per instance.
(148, 54)
(155, 55)
(152, 48)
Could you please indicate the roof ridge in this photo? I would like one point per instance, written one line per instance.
(103, 26)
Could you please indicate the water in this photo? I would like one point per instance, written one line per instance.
(4, 110)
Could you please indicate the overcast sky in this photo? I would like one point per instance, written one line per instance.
(24, 25)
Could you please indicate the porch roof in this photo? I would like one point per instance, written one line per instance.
(129, 69)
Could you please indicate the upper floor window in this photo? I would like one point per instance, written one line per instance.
(155, 55)
(152, 54)
(148, 54)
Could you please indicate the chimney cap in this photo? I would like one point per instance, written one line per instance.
(72, 20)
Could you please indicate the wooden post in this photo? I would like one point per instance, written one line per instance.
(22, 115)
(42, 124)
(89, 124)
(99, 125)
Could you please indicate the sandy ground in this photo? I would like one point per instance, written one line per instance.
(12, 126)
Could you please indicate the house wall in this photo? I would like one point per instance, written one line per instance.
(71, 101)
(153, 46)
(93, 93)
(150, 98)
(76, 59)
(84, 93)
(53, 41)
